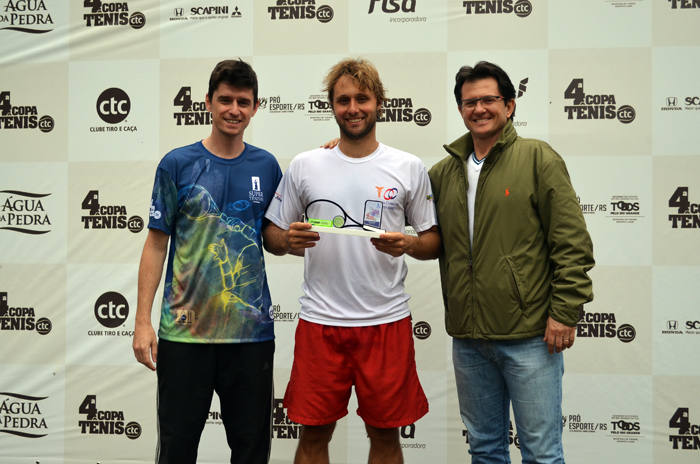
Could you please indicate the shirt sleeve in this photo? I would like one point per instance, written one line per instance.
(163, 202)
(420, 207)
(286, 206)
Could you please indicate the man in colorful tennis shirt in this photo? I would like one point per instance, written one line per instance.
(216, 329)
(354, 326)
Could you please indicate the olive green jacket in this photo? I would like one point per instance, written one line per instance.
(531, 250)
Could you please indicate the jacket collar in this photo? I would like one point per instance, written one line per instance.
(464, 146)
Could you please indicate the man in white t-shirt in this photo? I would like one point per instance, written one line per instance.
(354, 327)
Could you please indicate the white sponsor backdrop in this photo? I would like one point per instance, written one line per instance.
(612, 85)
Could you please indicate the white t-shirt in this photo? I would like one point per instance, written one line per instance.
(473, 170)
(347, 282)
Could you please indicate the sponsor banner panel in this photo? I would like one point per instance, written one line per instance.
(100, 315)
(675, 101)
(525, 21)
(294, 114)
(618, 23)
(603, 416)
(285, 276)
(108, 211)
(32, 401)
(213, 446)
(113, 111)
(676, 422)
(33, 115)
(199, 28)
(674, 23)
(613, 334)
(29, 27)
(617, 207)
(108, 424)
(387, 26)
(33, 314)
(293, 27)
(33, 212)
(676, 228)
(527, 70)
(427, 314)
(676, 327)
(599, 104)
(114, 30)
(412, 117)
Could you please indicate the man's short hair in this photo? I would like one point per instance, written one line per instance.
(483, 70)
(236, 73)
(362, 71)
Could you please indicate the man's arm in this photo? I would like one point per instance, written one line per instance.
(425, 246)
(293, 241)
(145, 342)
(570, 253)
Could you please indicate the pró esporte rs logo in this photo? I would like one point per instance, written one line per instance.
(112, 14)
(574, 423)
(401, 110)
(422, 330)
(603, 325)
(191, 113)
(105, 422)
(300, 9)
(21, 318)
(594, 106)
(688, 436)
(24, 212)
(20, 415)
(521, 8)
(684, 4)
(28, 16)
(22, 117)
(282, 426)
(592, 208)
(277, 106)
(277, 315)
(688, 216)
(107, 217)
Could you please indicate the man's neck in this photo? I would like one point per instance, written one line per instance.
(224, 147)
(483, 147)
(357, 148)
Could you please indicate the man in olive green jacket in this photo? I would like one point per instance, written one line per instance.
(514, 266)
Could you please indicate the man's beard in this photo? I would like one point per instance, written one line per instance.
(359, 135)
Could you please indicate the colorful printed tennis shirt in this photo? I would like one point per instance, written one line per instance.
(215, 287)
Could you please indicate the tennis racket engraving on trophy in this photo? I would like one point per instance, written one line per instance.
(327, 216)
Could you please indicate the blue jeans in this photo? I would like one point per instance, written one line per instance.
(491, 374)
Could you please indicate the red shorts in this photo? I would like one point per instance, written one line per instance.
(378, 360)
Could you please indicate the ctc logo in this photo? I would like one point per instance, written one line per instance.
(624, 206)
(113, 105)
(111, 309)
(626, 426)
